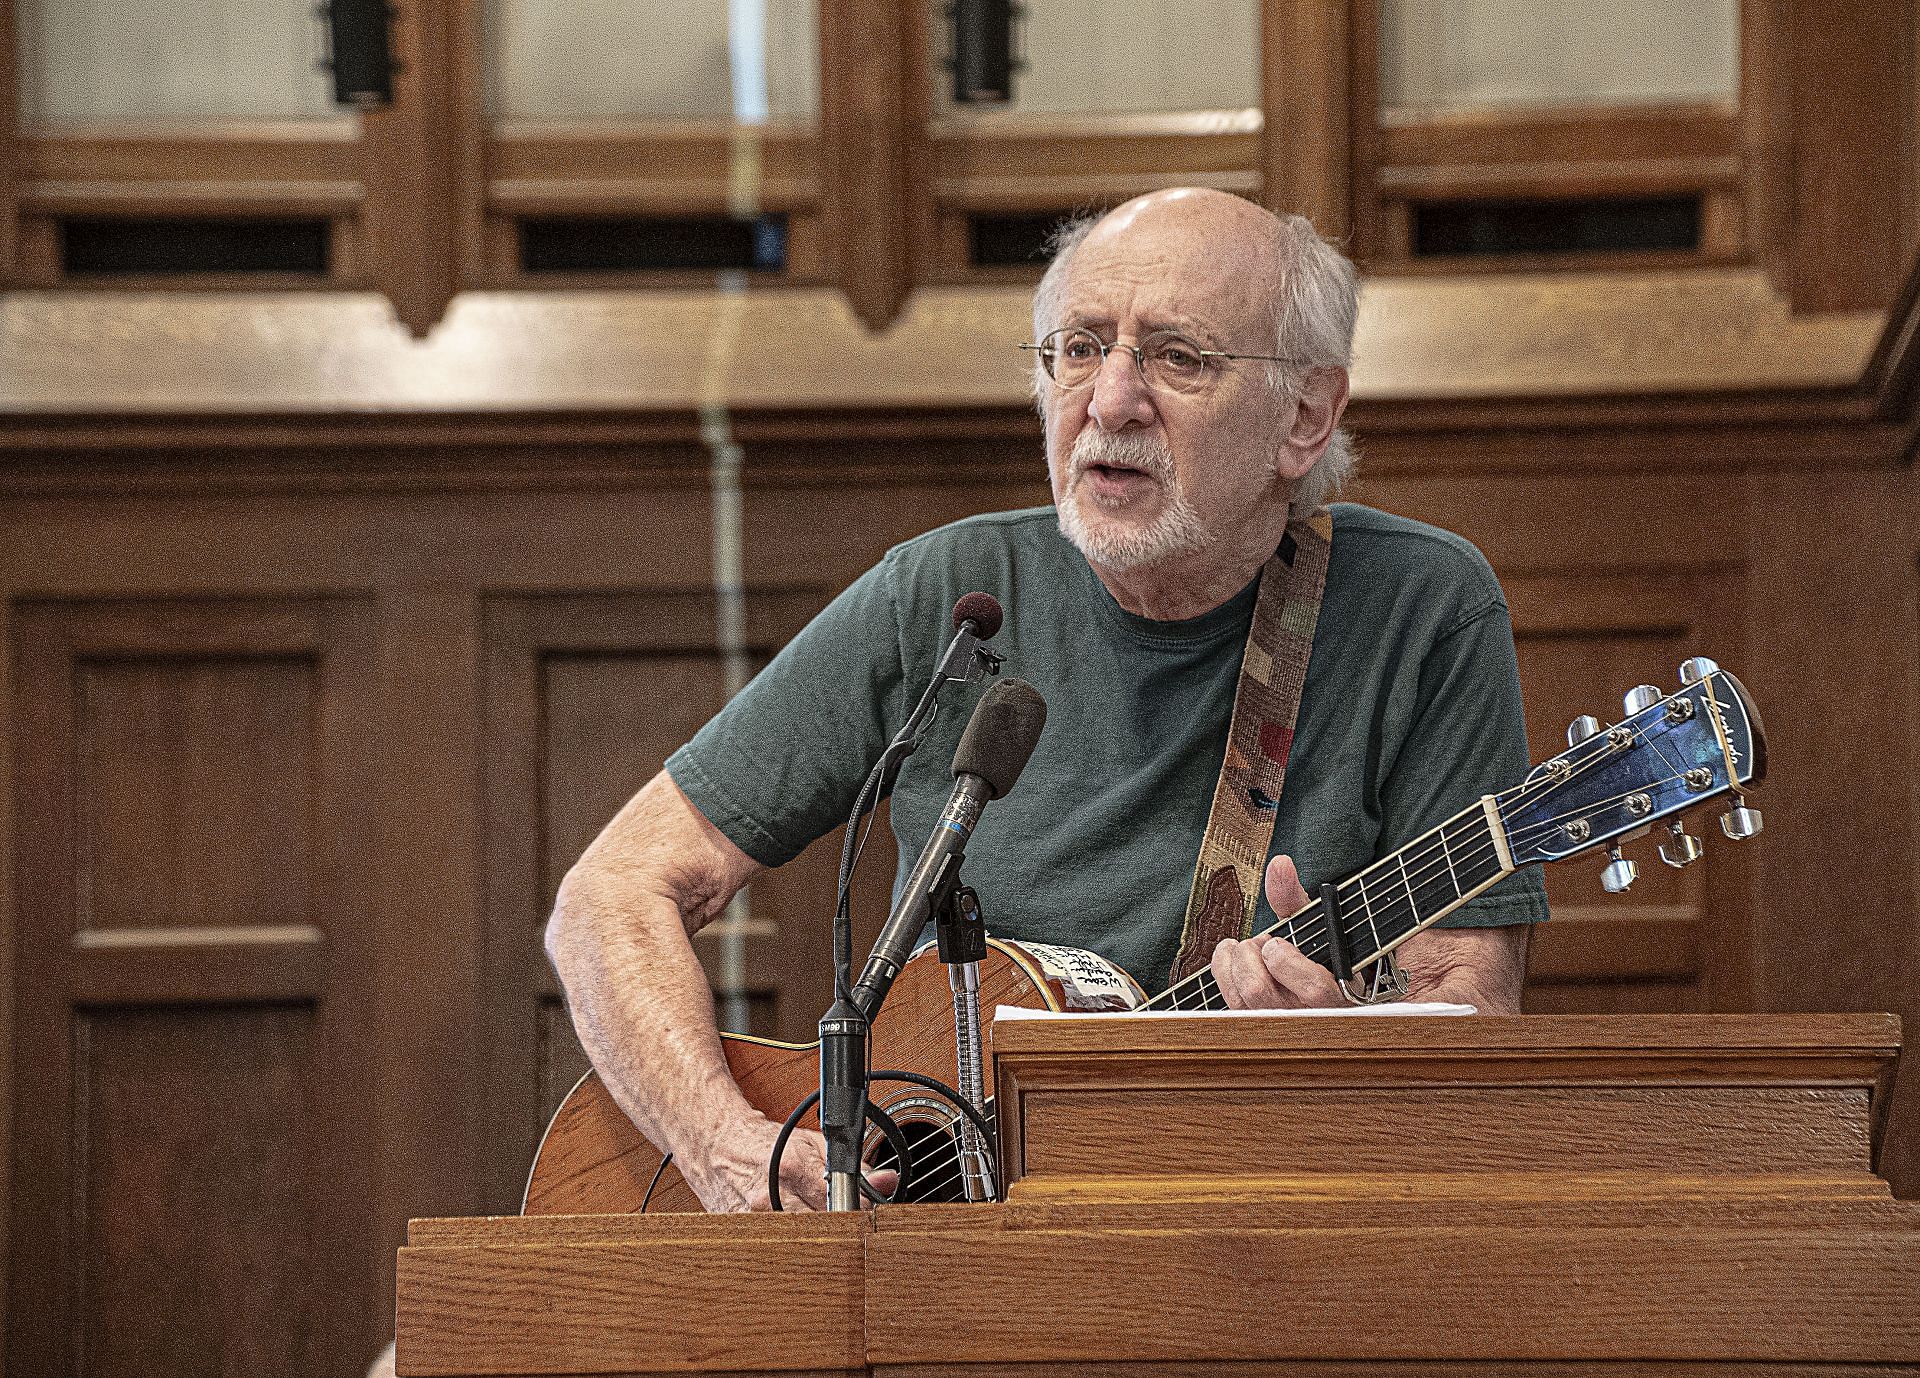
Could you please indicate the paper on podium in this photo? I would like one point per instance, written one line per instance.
(1340, 1012)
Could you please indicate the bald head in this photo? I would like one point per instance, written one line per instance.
(1209, 235)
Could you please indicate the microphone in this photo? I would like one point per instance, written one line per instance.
(976, 618)
(994, 749)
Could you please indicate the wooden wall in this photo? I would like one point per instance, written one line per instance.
(303, 722)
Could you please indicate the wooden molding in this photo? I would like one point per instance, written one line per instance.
(1059, 162)
(662, 166)
(1306, 82)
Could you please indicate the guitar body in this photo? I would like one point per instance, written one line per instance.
(593, 1161)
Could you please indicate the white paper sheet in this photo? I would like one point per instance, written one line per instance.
(1343, 1012)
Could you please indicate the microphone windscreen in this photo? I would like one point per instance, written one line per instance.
(1001, 735)
(981, 609)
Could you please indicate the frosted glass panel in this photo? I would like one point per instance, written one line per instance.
(92, 61)
(1450, 54)
(613, 59)
(1110, 56)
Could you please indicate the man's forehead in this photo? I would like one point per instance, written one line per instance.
(1152, 284)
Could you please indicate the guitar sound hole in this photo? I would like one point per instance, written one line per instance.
(932, 1144)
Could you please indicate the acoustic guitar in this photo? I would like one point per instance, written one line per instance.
(1667, 756)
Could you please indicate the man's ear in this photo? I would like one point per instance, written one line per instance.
(1323, 400)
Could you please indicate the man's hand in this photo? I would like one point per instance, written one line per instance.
(734, 1174)
(1270, 973)
(1482, 967)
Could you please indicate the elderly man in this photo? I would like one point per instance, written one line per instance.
(1188, 452)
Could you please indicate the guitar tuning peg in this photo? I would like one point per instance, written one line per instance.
(1740, 822)
(1581, 728)
(1686, 847)
(1696, 668)
(1619, 873)
(1642, 696)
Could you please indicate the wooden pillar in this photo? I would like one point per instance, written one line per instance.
(863, 86)
(1307, 90)
(1839, 115)
(9, 145)
(411, 178)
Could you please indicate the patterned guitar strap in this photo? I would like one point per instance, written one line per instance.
(1233, 854)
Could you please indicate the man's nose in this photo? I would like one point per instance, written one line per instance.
(1121, 397)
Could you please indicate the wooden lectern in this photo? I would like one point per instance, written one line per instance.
(1230, 1195)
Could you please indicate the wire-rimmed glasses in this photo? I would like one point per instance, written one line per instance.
(1170, 362)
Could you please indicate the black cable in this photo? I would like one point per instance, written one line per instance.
(895, 1136)
(656, 1181)
(780, 1147)
(947, 1093)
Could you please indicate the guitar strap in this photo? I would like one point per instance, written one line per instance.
(1233, 853)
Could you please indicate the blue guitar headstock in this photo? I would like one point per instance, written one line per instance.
(1669, 754)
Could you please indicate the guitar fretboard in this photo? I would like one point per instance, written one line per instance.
(1382, 906)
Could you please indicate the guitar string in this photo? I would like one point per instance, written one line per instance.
(1545, 784)
(1308, 917)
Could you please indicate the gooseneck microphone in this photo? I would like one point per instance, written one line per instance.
(994, 749)
(976, 618)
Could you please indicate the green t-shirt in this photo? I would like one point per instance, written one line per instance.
(1411, 711)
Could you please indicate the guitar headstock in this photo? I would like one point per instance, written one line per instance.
(1669, 754)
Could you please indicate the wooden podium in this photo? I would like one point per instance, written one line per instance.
(1225, 1195)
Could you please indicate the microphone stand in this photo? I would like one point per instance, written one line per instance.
(846, 1029)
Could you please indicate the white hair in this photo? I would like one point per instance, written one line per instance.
(1314, 312)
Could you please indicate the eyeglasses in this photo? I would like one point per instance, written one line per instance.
(1167, 362)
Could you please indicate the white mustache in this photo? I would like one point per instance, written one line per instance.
(1127, 450)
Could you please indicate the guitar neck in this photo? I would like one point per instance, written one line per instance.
(1387, 903)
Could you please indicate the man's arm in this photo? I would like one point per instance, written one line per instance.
(620, 940)
(1482, 967)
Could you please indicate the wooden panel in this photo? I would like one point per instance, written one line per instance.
(191, 1018)
(585, 698)
(308, 168)
(1435, 1293)
(683, 1294)
(1676, 941)
(1289, 1130)
(194, 791)
(200, 1207)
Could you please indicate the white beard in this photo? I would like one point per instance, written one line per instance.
(1113, 542)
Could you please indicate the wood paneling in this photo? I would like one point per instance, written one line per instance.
(193, 1035)
(585, 697)
(1675, 941)
(202, 1210)
(484, 611)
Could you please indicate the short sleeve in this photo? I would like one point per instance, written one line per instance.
(780, 765)
(1468, 739)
